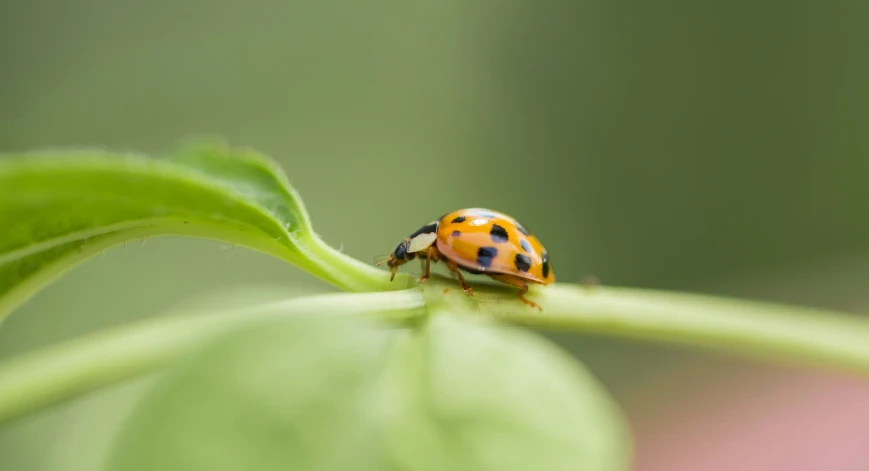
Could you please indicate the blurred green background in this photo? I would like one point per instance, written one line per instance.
(713, 146)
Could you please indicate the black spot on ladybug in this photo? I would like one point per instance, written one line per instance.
(427, 229)
(499, 234)
(522, 229)
(485, 255)
(545, 257)
(525, 245)
(523, 263)
(458, 219)
(456, 233)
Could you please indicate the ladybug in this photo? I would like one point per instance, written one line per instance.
(478, 241)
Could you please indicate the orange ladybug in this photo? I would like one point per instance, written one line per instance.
(479, 241)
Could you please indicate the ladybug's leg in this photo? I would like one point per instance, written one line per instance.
(431, 255)
(455, 268)
(519, 283)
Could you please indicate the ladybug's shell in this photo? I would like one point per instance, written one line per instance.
(485, 241)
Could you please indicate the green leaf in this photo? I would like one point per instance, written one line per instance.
(58, 208)
(322, 395)
(287, 394)
(468, 395)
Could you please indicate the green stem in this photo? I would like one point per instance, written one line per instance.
(753, 329)
(321, 260)
(763, 330)
(346, 272)
(35, 380)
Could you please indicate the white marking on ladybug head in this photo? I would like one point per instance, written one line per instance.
(421, 242)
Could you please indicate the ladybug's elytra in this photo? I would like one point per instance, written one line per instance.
(479, 241)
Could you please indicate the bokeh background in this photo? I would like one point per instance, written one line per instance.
(717, 147)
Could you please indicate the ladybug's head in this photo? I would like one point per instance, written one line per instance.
(415, 244)
(399, 256)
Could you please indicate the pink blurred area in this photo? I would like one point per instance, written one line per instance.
(753, 418)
